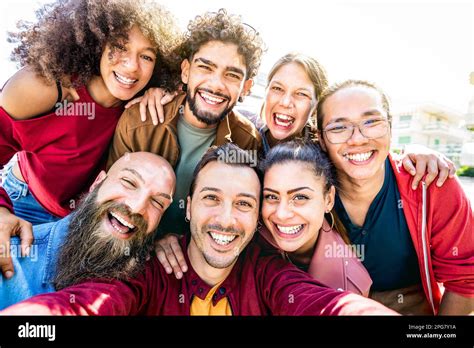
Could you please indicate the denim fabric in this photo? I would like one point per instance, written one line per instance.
(34, 273)
(25, 205)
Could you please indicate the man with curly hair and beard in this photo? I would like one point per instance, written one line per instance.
(222, 56)
(81, 61)
(108, 236)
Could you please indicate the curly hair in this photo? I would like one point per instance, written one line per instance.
(221, 26)
(70, 36)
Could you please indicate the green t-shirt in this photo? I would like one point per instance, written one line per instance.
(193, 143)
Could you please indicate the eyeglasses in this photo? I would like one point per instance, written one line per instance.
(340, 132)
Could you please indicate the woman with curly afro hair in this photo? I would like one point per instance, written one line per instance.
(80, 62)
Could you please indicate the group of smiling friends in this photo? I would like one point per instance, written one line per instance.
(98, 212)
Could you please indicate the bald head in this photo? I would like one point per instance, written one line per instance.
(142, 181)
(146, 160)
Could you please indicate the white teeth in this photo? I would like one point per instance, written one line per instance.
(283, 120)
(118, 230)
(122, 221)
(359, 157)
(211, 99)
(124, 79)
(290, 229)
(222, 239)
(284, 117)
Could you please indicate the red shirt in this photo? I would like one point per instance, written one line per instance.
(257, 285)
(441, 226)
(59, 156)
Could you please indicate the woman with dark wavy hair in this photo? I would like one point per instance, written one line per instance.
(80, 62)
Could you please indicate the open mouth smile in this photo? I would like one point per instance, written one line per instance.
(121, 227)
(222, 241)
(289, 232)
(211, 99)
(124, 80)
(283, 120)
(359, 158)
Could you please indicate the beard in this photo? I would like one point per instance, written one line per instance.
(204, 116)
(90, 251)
(199, 236)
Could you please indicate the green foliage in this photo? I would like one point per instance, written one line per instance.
(466, 171)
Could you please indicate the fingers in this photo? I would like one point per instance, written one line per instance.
(143, 105)
(26, 237)
(445, 167)
(451, 165)
(152, 110)
(173, 262)
(161, 112)
(160, 254)
(408, 165)
(168, 97)
(420, 172)
(178, 252)
(432, 171)
(133, 102)
(6, 264)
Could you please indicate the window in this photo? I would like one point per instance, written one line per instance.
(436, 141)
(404, 140)
(405, 118)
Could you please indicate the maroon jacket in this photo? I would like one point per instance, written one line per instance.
(257, 285)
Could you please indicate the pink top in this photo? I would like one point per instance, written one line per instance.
(334, 263)
(59, 156)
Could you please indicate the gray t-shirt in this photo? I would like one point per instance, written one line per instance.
(193, 143)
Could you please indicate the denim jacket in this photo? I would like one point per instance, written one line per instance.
(34, 274)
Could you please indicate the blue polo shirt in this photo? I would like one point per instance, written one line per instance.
(388, 251)
(34, 274)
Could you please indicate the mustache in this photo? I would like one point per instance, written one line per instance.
(226, 97)
(135, 219)
(218, 227)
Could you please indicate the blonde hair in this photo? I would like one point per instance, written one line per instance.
(312, 68)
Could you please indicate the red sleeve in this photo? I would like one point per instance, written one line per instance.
(8, 147)
(95, 297)
(290, 291)
(452, 238)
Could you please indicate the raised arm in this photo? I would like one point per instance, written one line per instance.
(95, 297)
(290, 291)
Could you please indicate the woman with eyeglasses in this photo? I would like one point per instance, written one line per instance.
(413, 239)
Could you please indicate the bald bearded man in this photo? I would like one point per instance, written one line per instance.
(108, 236)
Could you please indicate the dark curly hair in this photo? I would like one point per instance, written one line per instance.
(70, 36)
(221, 26)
